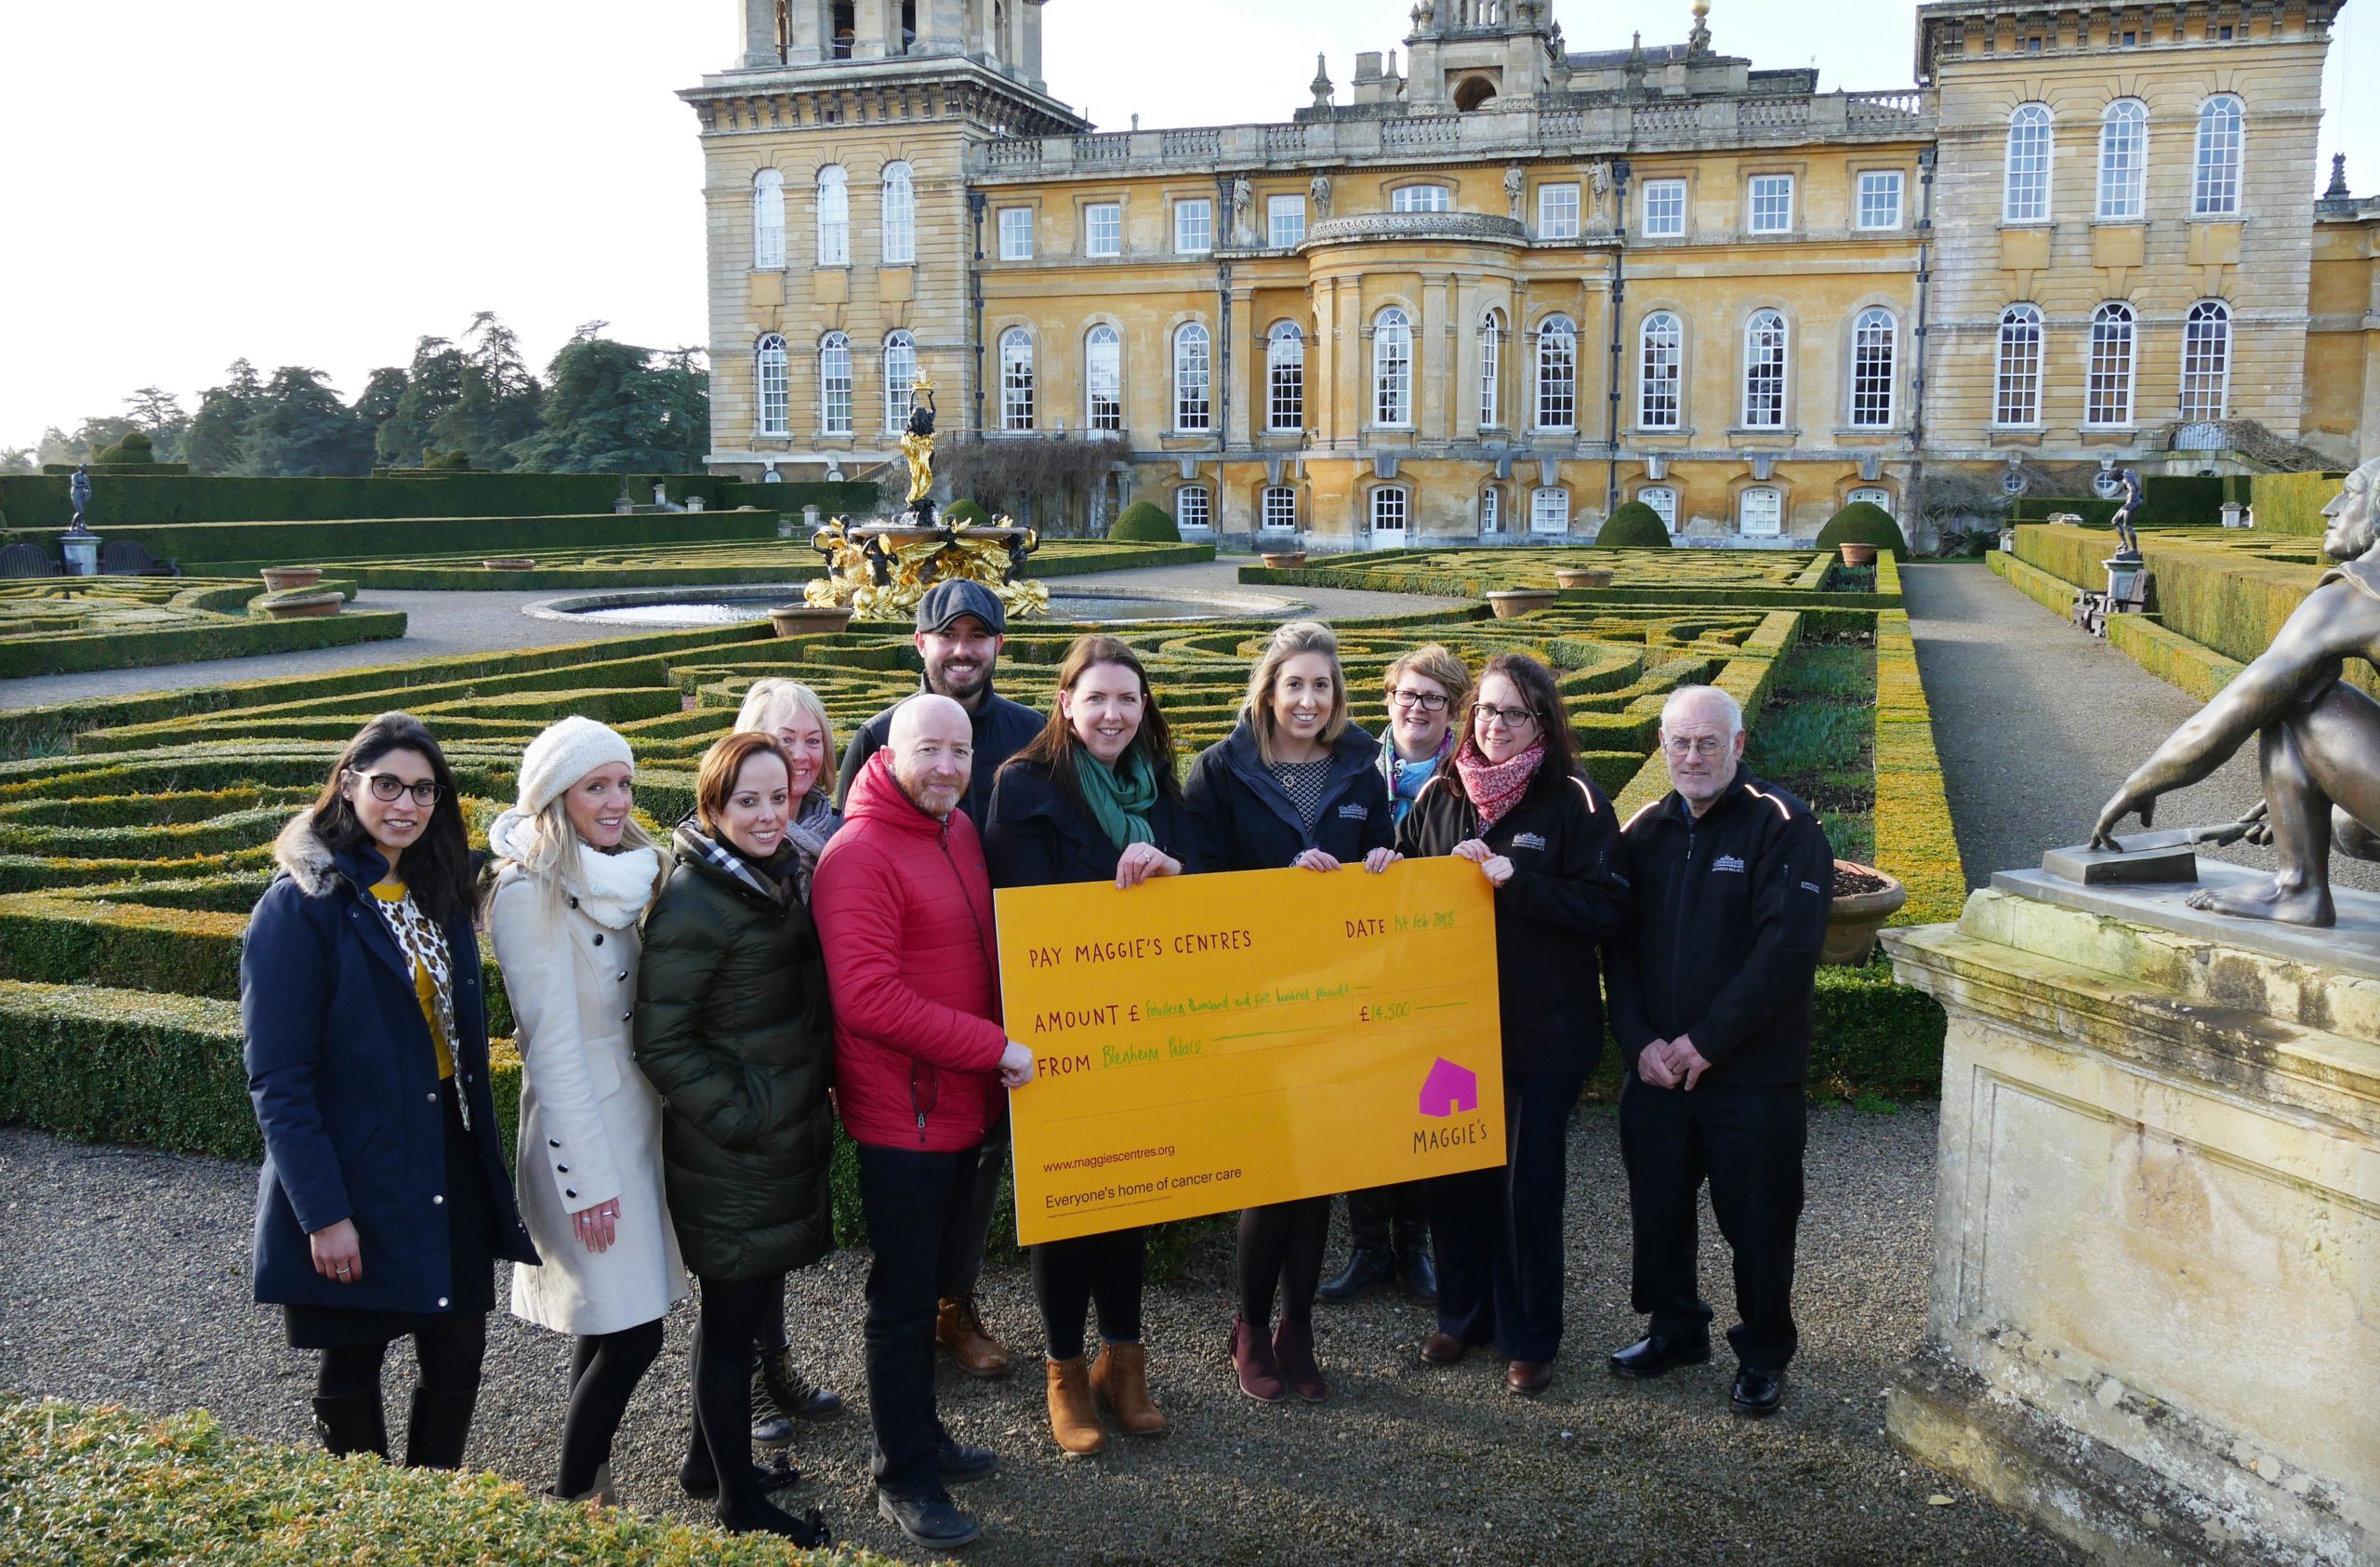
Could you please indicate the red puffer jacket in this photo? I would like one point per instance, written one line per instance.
(904, 908)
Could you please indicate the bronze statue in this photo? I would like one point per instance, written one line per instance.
(2318, 738)
(2127, 537)
(916, 445)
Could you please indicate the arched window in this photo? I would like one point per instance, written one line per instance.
(900, 375)
(1660, 371)
(1765, 371)
(2206, 360)
(1280, 509)
(1420, 198)
(1388, 515)
(1193, 507)
(770, 374)
(1549, 510)
(1103, 378)
(1285, 377)
(1760, 511)
(900, 216)
(1557, 375)
(1875, 352)
(1491, 369)
(1491, 510)
(2124, 159)
(2214, 191)
(1194, 405)
(1016, 378)
(2017, 387)
(1392, 367)
(1662, 499)
(768, 220)
(2107, 399)
(834, 218)
(2027, 191)
(835, 384)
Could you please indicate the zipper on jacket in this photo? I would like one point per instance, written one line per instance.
(1677, 941)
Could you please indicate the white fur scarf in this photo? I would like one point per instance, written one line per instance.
(613, 889)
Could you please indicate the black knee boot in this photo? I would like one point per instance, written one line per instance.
(439, 1427)
(353, 1423)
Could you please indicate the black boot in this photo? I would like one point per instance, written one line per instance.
(1367, 1266)
(792, 1393)
(439, 1427)
(1417, 1269)
(353, 1423)
(699, 1479)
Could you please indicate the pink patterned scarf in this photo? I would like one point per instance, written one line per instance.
(1496, 787)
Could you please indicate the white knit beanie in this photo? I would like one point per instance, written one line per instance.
(564, 754)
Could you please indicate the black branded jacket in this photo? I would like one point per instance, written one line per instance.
(1724, 946)
(1242, 820)
(1567, 894)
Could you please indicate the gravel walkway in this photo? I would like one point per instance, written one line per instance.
(139, 1297)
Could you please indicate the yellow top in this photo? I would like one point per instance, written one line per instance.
(424, 988)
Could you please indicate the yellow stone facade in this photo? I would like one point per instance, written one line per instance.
(1524, 284)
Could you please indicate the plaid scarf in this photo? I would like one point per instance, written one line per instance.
(692, 840)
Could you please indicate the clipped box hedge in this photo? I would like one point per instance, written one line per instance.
(232, 548)
(41, 500)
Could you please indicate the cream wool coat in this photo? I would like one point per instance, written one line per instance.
(590, 1124)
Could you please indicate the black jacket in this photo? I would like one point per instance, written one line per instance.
(1037, 836)
(1002, 729)
(1243, 820)
(1567, 894)
(1730, 916)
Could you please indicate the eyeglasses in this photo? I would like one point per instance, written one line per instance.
(388, 785)
(1511, 718)
(1428, 701)
(1697, 745)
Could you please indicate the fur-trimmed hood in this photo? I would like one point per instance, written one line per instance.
(304, 857)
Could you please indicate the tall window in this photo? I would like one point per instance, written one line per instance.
(900, 375)
(1664, 208)
(1103, 378)
(1557, 374)
(900, 216)
(1761, 513)
(2206, 360)
(2214, 191)
(1549, 510)
(835, 384)
(1491, 369)
(1491, 510)
(1285, 377)
(2113, 337)
(1284, 221)
(834, 218)
(1194, 408)
(1771, 203)
(1875, 495)
(2017, 390)
(2124, 159)
(1661, 367)
(1280, 509)
(1662, 499)
(1557, 211)
(2025, 197)
(768, 220)
(1103, 227)
(1016, 378)
(1765, 371)
(1017, 234)
(1193, 507)
(1879, 198)
(1194, 227)
(1392, 367)
(772, 375)
(1875, 342)
(1388, 514)
(1420, 198)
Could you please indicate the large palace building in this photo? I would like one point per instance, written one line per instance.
(1496, 287)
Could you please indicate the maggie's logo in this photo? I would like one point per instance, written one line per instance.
(1449, 1089)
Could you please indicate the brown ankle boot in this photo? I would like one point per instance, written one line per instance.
(1252, 1360)
(1071, 1420)
(959, 1330)
(1121, 1380)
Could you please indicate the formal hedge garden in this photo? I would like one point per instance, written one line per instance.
(61, 625)
(1777, 578)
(150, 495)
(657, 563)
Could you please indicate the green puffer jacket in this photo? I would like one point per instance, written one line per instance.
(732, 1029)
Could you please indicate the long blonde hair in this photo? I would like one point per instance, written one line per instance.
(1298, 636)
(553, 840)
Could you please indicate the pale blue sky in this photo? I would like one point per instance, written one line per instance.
(316, 182)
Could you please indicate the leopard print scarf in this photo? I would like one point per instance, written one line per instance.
(421, 942)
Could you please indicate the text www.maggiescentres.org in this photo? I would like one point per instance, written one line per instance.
(1129, 1189)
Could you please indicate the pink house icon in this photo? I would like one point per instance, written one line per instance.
(1449, 1089)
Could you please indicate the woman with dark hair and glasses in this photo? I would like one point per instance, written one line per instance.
(384, 1201)
(1511, 803)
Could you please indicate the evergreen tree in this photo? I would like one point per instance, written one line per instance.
(298, 428)
(212, 443)
(608, 408)
(17, 460)
(158, 413)
(376, 405)
(55, 447)
(433, 385)
(498, 399)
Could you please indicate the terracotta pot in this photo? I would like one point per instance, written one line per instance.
(510, 563)
(1285, 560)
(1857, 554)
(1510, 604)
(305, 606)
(808, 619)
(283, 578)
(1852, 923)
(1583, 576)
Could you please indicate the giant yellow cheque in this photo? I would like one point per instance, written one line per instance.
(1203, 1043)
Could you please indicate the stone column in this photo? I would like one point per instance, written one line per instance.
(1432, 418)
(1469, 306)
(1247, 366)
(872, 26)
(759, 34)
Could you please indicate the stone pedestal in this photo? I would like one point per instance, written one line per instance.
(2155, 1322)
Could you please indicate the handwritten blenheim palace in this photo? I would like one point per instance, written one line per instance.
(1492, 288)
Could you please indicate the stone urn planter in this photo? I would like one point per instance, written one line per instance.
(510, 563)
(304, 606)
(1857, 554)
(285, 578)
(808, 619)
(1864, 899)
(1510, 604)
(1583, 576)
(1284, 560)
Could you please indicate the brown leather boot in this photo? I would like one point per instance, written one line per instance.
(959, 1330)
(1121, 1380)
(1071, 1420)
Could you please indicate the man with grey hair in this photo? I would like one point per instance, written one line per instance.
(1712, 993)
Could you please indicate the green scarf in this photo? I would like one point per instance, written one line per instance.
(1119, 798)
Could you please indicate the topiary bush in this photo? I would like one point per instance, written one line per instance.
(1634, 526)
(966, 512)
(1145, 523)
(1863, 522)
(134, 447)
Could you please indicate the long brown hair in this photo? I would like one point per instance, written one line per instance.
(437, 869)
(1538, 690)
(1058, 748)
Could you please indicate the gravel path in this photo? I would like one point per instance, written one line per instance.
(140, 1296)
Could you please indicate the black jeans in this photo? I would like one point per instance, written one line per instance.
(1381, 1218)
(963, 1244)
(450, 1348)
(1498, 1232)
(912, 1202)
(1747, 1141)
(1071, 1276)
(1281, 1248)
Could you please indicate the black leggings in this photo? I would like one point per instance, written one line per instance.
(605, 1370)
(449, 1348)
(732, 1312)
(1281, 1246)
(1069, 1276)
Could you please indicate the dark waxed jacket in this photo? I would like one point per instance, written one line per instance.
(344, 1079)
(1568, 893)
(1037, 836)
(1242, 820)
(1002, 729)
(1730, 917)
(733, 1030)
